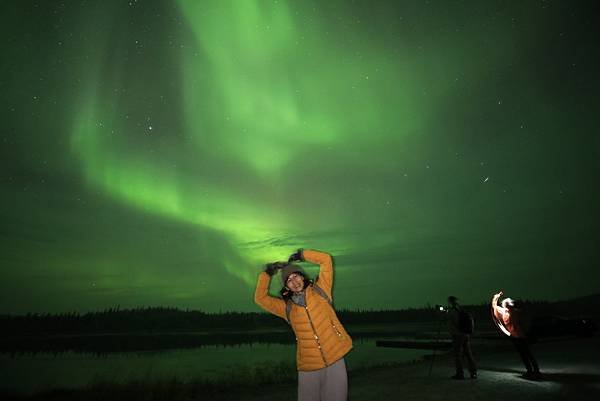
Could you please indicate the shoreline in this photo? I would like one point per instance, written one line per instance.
(569, 372)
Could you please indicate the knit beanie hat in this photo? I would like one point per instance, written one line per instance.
(289, 269)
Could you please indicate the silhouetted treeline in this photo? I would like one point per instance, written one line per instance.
(147, 319)
(161, 319)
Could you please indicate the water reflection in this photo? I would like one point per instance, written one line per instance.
(33, 371)
(99, 344)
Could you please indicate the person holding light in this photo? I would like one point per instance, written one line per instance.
(510, 318)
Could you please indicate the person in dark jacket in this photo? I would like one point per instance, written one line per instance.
(461, 342)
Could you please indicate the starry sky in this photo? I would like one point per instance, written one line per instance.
(159, 153)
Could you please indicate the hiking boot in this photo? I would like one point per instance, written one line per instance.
(535, 376)
(532, 375)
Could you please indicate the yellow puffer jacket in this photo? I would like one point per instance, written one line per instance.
(321, 338)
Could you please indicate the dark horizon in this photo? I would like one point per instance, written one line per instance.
(427, 306)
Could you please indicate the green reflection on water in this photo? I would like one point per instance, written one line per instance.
(32, 373)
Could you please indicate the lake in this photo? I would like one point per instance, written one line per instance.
(28, 373)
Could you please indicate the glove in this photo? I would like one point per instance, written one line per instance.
(271, 268)
(296, 256)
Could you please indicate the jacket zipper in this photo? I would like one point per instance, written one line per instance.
(316, 336)
(336, 329)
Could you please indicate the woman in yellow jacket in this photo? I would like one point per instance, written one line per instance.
(321, 340)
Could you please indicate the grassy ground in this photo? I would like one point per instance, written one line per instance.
(570, 372)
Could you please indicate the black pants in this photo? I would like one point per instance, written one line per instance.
(522, 346)
(462, 346)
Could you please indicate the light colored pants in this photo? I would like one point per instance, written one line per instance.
(327, 384)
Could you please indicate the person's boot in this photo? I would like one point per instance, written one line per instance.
(531, 375)
(535, 375)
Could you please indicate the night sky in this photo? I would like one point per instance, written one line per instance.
(159, 153)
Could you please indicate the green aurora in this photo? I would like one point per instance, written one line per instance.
(160, 153)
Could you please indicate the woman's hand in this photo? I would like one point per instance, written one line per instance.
(296, 256)
(271, 268)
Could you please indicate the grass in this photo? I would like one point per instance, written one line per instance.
(241, 383)
(240, 380)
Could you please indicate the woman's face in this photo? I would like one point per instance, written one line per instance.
(295, 282)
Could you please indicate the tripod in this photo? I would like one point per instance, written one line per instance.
(435, 344)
